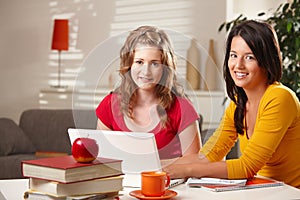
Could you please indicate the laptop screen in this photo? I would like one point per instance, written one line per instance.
(137, 150)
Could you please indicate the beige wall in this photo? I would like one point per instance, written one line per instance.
(253, 7)
(26, 31)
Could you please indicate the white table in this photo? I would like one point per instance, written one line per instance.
(15, 188)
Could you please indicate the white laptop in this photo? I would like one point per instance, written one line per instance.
(137, 150)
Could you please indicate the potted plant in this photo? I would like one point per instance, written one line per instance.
(286, 22)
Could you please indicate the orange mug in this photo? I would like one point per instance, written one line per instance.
(154, 183)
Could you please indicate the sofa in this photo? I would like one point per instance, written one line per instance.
(43, 132)
(40, 132)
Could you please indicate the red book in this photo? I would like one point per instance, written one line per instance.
(65, 169)
(258, 182)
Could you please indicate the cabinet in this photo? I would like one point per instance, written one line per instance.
(208, 103)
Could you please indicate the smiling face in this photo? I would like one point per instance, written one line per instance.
(147, 68)
(243, 66)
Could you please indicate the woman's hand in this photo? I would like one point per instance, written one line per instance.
(183, 167)
(178, 170)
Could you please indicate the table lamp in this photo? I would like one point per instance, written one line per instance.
(60, 41)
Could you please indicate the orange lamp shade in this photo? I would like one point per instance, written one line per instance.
(60, 38)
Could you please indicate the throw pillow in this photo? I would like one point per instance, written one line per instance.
(13, 140)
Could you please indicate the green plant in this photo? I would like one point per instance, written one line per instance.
(286, 22)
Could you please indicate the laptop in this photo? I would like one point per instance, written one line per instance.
(138, 151)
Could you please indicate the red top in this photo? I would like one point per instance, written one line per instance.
(181, 114)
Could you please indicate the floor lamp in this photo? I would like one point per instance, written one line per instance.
(60, 41)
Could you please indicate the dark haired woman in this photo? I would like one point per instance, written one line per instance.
(263, 114)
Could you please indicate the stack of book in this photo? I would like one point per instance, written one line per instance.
(64, 178)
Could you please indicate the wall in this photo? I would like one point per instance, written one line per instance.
(251, 8)
(27, 62)
(28, 65)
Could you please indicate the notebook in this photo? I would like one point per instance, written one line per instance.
(138, 151)
(221, 185)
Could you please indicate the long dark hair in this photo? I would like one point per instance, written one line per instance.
(262, 40)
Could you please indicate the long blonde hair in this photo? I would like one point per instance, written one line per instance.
(166, 89)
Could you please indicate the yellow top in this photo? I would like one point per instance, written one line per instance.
(274, 148)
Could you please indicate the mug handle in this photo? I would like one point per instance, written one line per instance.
(168, 180)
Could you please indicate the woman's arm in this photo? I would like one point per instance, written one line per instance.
(190, 144)
(190, 139)
(276, 112)
(196, 165)
(101, 126)
(210, 156)
(211, 169)
(191, 158)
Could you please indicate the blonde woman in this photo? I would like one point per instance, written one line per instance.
(149, 98)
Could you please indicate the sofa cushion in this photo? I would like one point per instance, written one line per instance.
(13, 140)
(47, 129)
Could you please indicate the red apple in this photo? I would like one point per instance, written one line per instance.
(85, 149)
